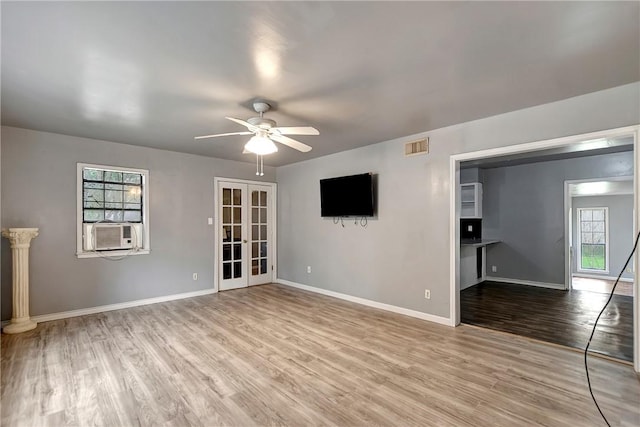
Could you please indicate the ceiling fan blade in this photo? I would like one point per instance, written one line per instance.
(222, 134)
(290, 142)
(248, 125)
(296, 130)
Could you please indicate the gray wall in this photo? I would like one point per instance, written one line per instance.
(406, 248)
(523, 207)
(39, 190)
(621, 236)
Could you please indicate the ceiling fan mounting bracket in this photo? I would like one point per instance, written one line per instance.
(261, 107)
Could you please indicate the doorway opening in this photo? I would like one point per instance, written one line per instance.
(599, 223)
(526, 249)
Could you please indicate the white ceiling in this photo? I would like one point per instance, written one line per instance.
(159, 73)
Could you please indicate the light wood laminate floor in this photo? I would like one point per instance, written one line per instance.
(272, 355)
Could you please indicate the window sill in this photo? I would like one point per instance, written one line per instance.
(586, 270)
(111, 253)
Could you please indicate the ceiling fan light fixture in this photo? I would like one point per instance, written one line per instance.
(260, 145)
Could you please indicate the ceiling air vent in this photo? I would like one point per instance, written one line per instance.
(416, 147)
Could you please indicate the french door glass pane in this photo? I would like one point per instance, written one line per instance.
(231, 233)
(259, 255)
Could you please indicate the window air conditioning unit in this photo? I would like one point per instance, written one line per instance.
(110, 236)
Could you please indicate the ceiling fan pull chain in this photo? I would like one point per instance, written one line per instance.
(257, 165)
(261, 165)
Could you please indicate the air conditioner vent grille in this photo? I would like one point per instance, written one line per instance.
(108, 237)
(413, 148)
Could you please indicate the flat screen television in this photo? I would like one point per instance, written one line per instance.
(347, 196)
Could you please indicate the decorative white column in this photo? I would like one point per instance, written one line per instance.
(20, 239)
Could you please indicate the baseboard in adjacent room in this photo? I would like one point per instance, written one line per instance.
(602, 277)
(118, 306)
(560, 286)
(375, 304)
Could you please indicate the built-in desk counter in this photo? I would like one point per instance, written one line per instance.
(478, 243)
(473, 254)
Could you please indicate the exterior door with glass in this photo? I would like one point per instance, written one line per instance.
(245, 238)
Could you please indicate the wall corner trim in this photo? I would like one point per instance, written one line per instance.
(375, 304)
(118, 306)
(526, 282)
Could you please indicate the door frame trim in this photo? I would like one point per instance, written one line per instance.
(274, 204)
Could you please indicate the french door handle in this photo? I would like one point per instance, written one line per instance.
(244, 241)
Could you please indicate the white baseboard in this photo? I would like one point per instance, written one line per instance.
(382, 306)
(601, 277)
(118, 306)
(527, 282)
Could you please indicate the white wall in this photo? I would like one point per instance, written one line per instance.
(406, 248)
(39, 190)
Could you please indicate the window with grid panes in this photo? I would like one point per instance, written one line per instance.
(593, 239)
(111, 196)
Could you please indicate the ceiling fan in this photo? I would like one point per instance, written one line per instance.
(265, 132)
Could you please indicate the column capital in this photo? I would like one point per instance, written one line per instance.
(20, 237)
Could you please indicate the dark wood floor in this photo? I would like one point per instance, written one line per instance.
(560, 317)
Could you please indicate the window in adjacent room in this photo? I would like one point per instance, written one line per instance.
(593, 244)
(112, 210)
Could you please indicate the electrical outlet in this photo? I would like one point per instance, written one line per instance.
(494, 269)
(195, 276)
(210, 221)
(427, 294)
(308, 269)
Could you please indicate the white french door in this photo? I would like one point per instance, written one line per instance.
(245, 213)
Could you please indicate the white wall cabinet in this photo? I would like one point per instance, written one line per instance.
(471, 200)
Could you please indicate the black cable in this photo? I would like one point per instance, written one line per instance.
(586, 349)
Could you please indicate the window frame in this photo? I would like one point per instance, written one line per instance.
(579, 267)
(145, 247)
